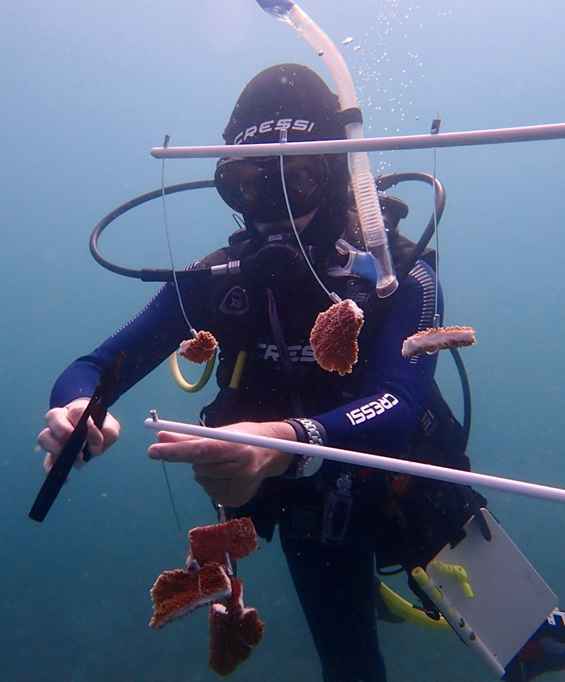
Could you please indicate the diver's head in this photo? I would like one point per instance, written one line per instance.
(287, 97)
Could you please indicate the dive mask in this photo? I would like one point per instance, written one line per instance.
(253, 187)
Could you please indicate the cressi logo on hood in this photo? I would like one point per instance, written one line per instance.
(287, 97)
(272, 125)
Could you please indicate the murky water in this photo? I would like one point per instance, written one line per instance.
(88, 88)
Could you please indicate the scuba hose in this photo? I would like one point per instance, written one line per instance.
(145, 275)
(383, 182)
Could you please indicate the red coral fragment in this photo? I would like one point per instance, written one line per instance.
(210, 543)
(334, 336)
(200, 349)
(234, 631)
(178, 593)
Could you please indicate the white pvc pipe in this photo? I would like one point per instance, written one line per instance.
(461, 627)
(506, 485)
(553, 131)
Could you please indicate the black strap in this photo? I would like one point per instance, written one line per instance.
(283, 354)
(351, 115)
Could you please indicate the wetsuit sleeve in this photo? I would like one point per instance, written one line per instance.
(395, 389)
(146, 341)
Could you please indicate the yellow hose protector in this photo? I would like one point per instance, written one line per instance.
(238, 369)
(181, 381)
(405, 610)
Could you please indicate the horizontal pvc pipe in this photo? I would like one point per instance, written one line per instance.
(553, 131)
(506, 485)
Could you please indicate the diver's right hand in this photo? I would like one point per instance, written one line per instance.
(60, 424)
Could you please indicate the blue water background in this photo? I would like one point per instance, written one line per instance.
(87, 89)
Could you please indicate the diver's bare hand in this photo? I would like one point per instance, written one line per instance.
(60, 424)
(230, 473)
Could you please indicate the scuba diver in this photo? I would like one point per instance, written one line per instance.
(337, 522)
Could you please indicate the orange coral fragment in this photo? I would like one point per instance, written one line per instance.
(200, 349)
(237, 538)
(234, 631)
(178, 593)
(334, 336)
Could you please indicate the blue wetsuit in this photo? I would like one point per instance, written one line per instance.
(383, 376)
(374, 409)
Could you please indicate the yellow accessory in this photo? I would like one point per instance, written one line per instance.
(238, 369)
(405, 610)
(459, 572)
(420, 576)
(181, 381)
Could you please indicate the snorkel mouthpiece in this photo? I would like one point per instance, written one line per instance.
(364, 188)
(279, 10)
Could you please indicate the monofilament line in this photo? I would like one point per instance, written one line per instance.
(436, 231)
(190, 327)
(166, 223)
(172, 500)
(332, 295)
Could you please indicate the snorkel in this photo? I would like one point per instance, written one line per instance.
(364, 188)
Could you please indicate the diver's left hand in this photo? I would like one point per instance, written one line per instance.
(230, 473)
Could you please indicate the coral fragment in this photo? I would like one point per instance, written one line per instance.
(334, 336)
(237, 538)
(434, 340)
(200, 349)
(178, 593)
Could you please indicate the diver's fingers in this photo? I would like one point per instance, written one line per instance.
(110, 430)
(58, 423)
(99, 440)
(48, 442)
(227, 492)
(50, 460)
(61, 422)
(194, 451)
(170, 437)
(217, 489)
(94, 438)
(75, 409)
(218, 470)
